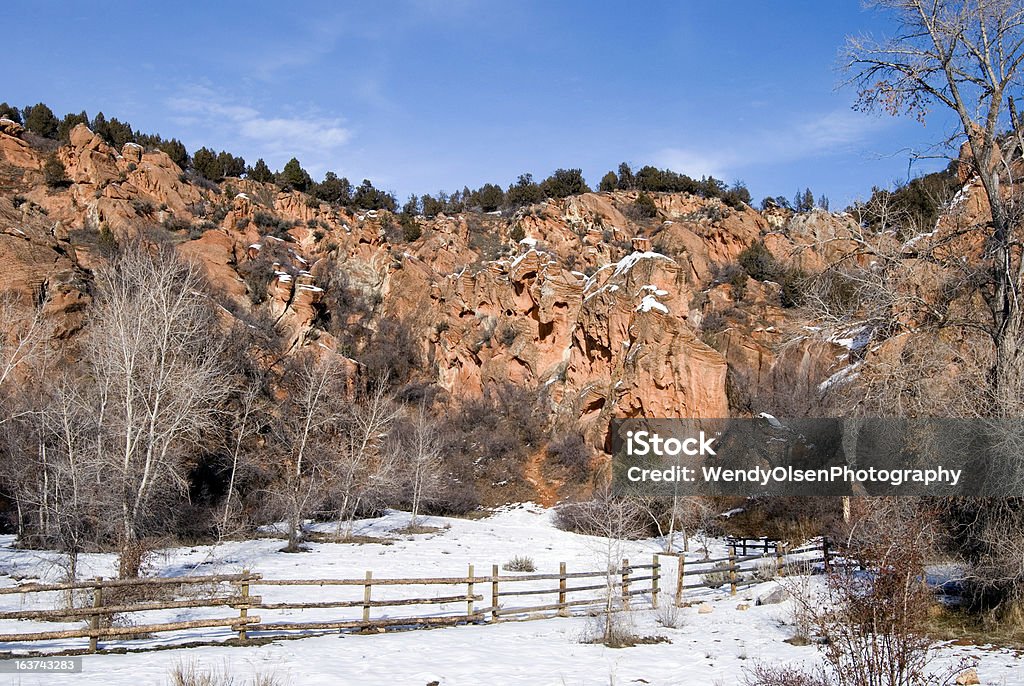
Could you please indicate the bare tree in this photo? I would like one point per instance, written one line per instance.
(612, 521)
(363, 469)
(245, 423)
(419, 458)
(964, 57)
(948, 304)
(306, 433)
(155, 357)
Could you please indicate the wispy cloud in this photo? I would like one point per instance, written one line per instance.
(804, 139)
(316, 140)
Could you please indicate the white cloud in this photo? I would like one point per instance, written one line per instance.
(694, 163)
(829, 133)
(314, 139)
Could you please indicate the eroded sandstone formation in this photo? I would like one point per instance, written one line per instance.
(604, 312)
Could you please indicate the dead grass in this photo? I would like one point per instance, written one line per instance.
(966, 628)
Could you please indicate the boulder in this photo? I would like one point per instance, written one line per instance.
(774, 597)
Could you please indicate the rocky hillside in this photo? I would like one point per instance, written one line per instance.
(611, 314)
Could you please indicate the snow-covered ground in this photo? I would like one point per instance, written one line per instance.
(706, 648)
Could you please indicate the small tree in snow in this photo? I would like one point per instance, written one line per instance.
(420, 458)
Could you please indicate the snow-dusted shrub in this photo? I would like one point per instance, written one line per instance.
(668, 614)
(191, 674)
(520, 563)
(718, 577)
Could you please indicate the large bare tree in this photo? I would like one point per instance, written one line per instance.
(155, 358)
(957, 291)
(964, 57)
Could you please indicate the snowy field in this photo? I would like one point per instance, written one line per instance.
(705, 648)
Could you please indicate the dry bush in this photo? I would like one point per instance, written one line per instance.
(668, 614)
(871, 624)
(190, 674)
(520, 563)
(762, 674)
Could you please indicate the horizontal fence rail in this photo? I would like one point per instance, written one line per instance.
(117, 609)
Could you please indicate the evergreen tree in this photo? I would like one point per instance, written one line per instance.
(490, 197)
(260, 172)
(174, 149)
(369, 198)
(412, 206)
(823, 202)
(332, 189)
(294, 176)
(118, 133)
(609, 182)
(626, 182)
(69, 122)
(99, 125)
(524, 191)
(230, 165)
(40, 120)
(8, 112)
(432, 206)
(206, 164)
(563, 183)
(808, 200)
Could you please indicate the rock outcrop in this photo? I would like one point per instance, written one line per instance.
(606, 313)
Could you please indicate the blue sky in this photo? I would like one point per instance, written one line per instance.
(421, 95)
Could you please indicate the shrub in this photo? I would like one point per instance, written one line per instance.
(718, 577)
(793, 282)
(571, 452)
(520, 563)
(642, 208)
(54, 173)
(411, 230)
(759, 262)
(191, 675)
(668, 615)
(507, 335)
(143, 207)
(107, 242)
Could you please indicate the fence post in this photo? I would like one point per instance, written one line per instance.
(732, 570)
(243, 610)
(824, 550)
(563, 611)
(680, 573)
(366, 596)
(780, 559)
(655, 579)
(625, 583)
(469, 593)
(94, 622)
(494, 593)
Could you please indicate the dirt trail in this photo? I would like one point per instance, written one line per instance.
(546, 491)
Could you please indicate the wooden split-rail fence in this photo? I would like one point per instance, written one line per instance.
(111, 609)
